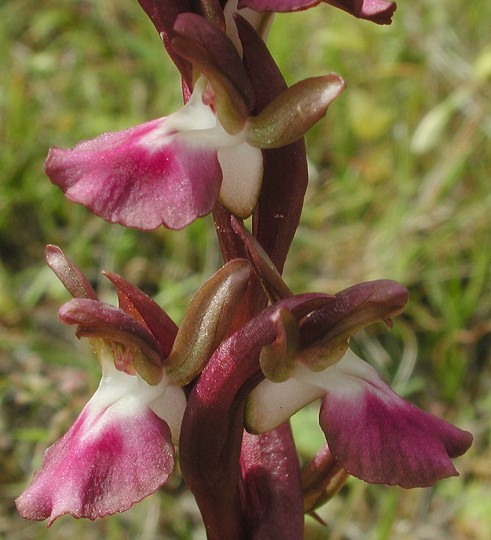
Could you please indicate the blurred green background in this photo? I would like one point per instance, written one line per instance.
(399, 189)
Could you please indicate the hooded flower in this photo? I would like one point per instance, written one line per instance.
(164, 172)
(172, 170)
(121, 447)
(371, 431)
(119, 450)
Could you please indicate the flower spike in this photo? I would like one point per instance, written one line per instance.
(235, 148)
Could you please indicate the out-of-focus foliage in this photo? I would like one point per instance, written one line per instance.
(399, 189)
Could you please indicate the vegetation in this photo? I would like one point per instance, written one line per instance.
(399, 189)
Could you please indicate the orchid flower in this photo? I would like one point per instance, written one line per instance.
(173, 170)
(371, 431)
(121, 447)
(378, 11)
(117, 452)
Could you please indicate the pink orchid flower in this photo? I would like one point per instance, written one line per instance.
(165, 172)
(172, 170)
(371, 431)
(117, 452)
(121, 447)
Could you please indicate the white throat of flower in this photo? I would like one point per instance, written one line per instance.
(241, 164)
(116, 388)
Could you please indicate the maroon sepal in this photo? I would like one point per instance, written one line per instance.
(212, 427)
(277, 214)
(147, 312)
(322, 478)
(214, 55)
(272, 495)
(163, 14)
(70, 276)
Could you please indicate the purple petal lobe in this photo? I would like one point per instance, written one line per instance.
(378, 11)
(141, 177)
(116, 453)
(381, 438)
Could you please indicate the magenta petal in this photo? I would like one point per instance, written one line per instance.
(378, 11)
(112, 457)
(381, 438)
(141, 177)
